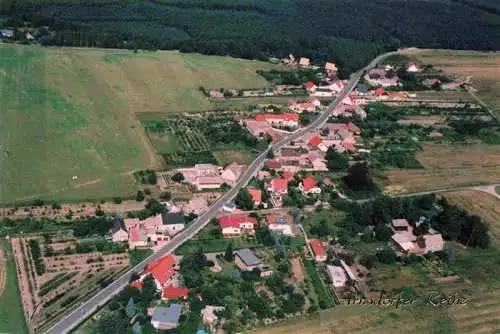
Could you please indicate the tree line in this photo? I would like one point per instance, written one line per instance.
(349, 32)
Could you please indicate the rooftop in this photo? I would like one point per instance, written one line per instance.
(170, 314)
(247, 256)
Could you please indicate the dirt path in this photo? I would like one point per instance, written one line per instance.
(3, 269)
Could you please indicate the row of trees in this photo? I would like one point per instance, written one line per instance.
(317, 29)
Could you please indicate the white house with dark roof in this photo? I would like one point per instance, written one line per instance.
(173, 222)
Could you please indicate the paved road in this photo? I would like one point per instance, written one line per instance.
(86, 309)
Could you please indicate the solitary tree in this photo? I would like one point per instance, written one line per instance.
(228, 256)
(178, 177)
(244, 200)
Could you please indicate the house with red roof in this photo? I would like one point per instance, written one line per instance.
(256, 196)
(318, 250)
(286, 119)
(273, 164)
(233, 226)
(310, 86)
(278, 186)
(163, 271)
(174, 293)
(379, 91)
(287, 175)
(309, 186)
(315, 141)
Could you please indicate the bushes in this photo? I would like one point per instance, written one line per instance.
(36, 254)
(55, 282)
(146, 176)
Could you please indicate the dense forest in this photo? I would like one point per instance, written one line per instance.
(349, 32)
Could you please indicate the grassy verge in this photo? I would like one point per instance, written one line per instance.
(137, 255)
(324, 298)
(11, 310)
(215, 245)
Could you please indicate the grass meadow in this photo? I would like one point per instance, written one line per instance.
(72, 112)
(11, 310)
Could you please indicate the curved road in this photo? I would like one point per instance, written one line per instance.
(73, 319)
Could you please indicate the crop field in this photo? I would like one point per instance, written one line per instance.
(481, 204)
(445, 166)
(72, 112)
(51, 284)
(483, 69)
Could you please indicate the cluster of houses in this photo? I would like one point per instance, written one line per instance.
(304, 62)
(150, 232)
(339, 275)
(406, 242)
(209, 176)
(328, 88)
(240, 225)
(164, 273)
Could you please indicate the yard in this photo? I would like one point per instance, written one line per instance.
(481, 204)
(11, 310)
(72, 112)
(447, 166)
(482, 67)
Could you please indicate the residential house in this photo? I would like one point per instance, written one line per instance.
(280, 120)
(330, 68)
(174, 293)
(318, 250)
(8, 33)
(216, 93)
(337, 276)
(163, 271)
(118, 232)
(203, 176)
(310, 87)
(258, 128)
(173, 222)
(209, 315)
(246, 260)
(281, 224)
(304, 62)
(278, 186)
(273, 164)
(208, 182)
(379, 91)
(412, 67)
(400, 225)
(166, 317)
(196, 205)
(233, 226)
(428, 243)
(401, 242)
(309, 186)
(232, 173)
(315, 141)
(323, 92)
(137, 238)
(256, 196)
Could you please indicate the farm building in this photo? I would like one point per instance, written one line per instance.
(318, 250)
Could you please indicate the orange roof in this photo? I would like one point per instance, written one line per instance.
(137, 284)
(315, 141)
(163, 269)
(379, 91)
(309, 183)
(284, 117)
(309, 84)
(317, 247)
(256, 195)
(171, 292)
(235, 221)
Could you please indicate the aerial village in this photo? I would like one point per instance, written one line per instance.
(274, 252)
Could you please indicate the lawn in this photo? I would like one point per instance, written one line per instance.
(72, 112)
(482, 67)
(481, 204)
(215, 245)
(11, 310)
(445, 166)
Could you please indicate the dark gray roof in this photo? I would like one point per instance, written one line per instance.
(169, 314)
(130, 310)
(247, 256)
(137, 329)
(118, 224)
(172, 218)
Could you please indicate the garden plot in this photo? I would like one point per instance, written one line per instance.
(52, 281)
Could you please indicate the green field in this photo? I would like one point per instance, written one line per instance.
(11, 310)
(72, 112)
